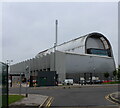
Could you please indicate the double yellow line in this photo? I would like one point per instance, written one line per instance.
(49, 102)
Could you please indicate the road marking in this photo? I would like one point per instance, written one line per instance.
(49, 102)
(113, 97)
(107, 98)
(42, 104)
(46, 103)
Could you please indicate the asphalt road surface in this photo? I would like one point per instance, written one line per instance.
(74, 97)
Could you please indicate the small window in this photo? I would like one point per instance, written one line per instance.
(102, 52)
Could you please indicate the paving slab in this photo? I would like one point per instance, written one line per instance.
(32, 101)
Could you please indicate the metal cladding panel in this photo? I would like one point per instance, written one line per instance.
(52, 62)
(71, 45)
(36, 61)
(103, 64)
(43, 62)
(82, 44)
(94, 43)
(75, 45)
(60, 65)
(21, 67)
(76, 63)
(40, 63)
(31, 65)
(16, 68)
(34, 64)
(48, 61)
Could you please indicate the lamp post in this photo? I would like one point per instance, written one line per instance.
(27, 77)
(55, 44)
(8, 62)
(55, 48)
(20, 84)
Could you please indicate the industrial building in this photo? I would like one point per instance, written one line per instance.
(84, 56)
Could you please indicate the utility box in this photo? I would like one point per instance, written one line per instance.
(46, 78)
(3, 85)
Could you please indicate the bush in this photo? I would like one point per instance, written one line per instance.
(106, 74)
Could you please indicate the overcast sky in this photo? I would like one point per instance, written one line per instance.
(29, 28)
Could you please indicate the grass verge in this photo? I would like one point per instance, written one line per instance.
(14, 98)
(117, 82)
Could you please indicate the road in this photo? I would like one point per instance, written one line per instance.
(75, 97)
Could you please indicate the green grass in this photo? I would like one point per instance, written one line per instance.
(117, 82)
(14, 98)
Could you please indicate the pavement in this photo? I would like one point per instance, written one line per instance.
(32, 101)
(41, 101)
(75, 86)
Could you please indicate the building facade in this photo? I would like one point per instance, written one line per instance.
(91, 53)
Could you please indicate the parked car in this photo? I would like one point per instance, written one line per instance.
(68, 82)
(83, 82)
(97, 82)
(93, 82)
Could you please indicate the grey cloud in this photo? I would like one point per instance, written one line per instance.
(29, 28)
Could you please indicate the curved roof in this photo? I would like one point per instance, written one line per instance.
(72, 45)
(103, 39)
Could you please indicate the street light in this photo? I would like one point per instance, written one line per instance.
(8, 62)
(27, 74)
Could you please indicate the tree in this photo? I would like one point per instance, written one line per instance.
(118, 73)
(106, 75)
(115, 74)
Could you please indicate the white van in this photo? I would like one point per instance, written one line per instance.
(68, 82)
